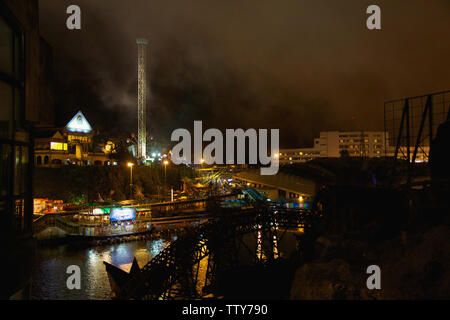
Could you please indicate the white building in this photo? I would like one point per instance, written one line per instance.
(331, 144)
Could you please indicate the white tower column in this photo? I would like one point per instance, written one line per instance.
(142, 98)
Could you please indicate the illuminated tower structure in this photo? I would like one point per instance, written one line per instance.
(142, 97)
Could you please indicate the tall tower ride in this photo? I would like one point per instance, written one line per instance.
(142, 97)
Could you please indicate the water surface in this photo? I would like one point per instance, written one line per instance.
(49, 281)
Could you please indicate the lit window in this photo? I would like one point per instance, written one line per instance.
(58, 146)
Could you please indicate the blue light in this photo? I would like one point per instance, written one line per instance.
(79, 124)
(121, 214)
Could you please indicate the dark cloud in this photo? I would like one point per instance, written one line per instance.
(301, 66)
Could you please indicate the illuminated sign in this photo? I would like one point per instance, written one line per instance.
(101, 210)
(79, 124)
(121, 214)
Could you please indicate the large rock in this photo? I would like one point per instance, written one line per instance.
(413, 266)
(333, 247)
(423, 270)
(328, 280)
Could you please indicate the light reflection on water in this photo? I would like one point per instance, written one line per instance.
(50, 276)
(49, 281)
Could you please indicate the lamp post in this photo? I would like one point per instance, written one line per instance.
(201, 162)
(165, 167)
(131, 164)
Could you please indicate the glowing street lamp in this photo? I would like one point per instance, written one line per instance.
(201, 162)
(131, 164)
(165, 168)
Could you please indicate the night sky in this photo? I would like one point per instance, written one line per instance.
(300, 66)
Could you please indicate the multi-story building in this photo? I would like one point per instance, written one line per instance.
(357, 144)
(300, 154)
(333, 144)
(21, 102)
(72, 144)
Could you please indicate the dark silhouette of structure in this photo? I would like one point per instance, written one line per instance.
(439, 161)
(25, 62)
(174, 273)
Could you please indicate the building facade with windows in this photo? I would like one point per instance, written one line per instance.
(72, 144)
(369, 144)
(334, 144)
(20, 102)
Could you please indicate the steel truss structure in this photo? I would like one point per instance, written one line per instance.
(142, 98)
(174, 272)
(411, 123)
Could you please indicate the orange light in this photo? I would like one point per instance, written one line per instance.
(166, 162)
(58, 146)
(130, 164)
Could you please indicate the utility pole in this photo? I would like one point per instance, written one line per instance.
(130, 164)
(165, 174)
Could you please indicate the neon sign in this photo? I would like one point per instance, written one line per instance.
(79, 124)
(122, 214)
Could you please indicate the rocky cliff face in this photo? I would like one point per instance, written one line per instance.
(414, 265)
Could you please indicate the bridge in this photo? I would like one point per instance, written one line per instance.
(175, 272)
(285, 184)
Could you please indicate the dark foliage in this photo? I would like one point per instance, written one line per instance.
(84, 184)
